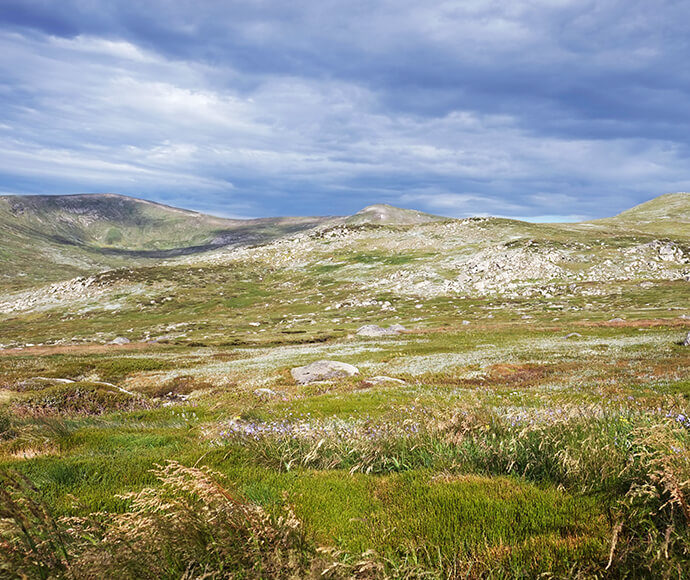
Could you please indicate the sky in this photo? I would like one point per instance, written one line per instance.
(547, 110)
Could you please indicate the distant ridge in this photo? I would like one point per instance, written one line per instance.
(390, 215)
(109, 220)
(51, 237)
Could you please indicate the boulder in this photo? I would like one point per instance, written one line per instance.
(323, 370)
(686, 342)
(120, 340)
(375, 330)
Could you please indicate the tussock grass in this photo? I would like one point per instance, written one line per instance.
(509, 452)
(77, 399)
(188, 526)
(635, 464)
(180, 385)
(7, 430)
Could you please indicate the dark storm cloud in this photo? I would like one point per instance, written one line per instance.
(547, 107)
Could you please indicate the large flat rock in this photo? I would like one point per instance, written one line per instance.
(375, 330)
(323, 370)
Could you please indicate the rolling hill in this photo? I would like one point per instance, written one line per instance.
(54, 238)
(48, 238)
(667, 215)
(383, 214)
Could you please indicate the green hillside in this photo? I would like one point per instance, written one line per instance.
(48, 238)
(667, 215)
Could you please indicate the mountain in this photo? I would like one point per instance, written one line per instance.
(667, 214)
(492, 355)
(384, 214)
(47, 238)
(54, 238)
(108, 221)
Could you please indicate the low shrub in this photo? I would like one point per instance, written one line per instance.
(79, 399)
(7, 430)
(182, 385)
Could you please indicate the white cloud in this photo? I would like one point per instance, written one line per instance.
(112, 114)
(119, 49)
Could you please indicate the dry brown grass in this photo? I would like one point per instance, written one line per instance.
(31, 451)
(637, 323)
(77, 349)
(189, 526)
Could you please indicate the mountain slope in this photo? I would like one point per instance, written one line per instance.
(667, 215)
(384, 214)
(333, 272)
(54, 238)
(49, 238)
(670, 206)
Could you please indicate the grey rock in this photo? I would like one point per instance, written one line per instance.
(264, 392)
(323, 370)
(686, 342)
(397, 327)
(375, 330)
(617, 320)
(573, 335)
(120, 340)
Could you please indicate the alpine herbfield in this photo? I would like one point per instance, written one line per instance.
(493, 398)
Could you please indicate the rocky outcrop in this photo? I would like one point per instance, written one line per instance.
(57, 293)
(323, 370)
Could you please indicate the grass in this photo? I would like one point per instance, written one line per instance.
(79, 398)
(510, 451)
(435, 515)
(107, 367)
(463, 518)
(444, 523)
(185, 526)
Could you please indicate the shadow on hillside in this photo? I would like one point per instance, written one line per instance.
(240, 236)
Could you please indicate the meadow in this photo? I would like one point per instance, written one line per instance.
(508, 451)
(150, 426)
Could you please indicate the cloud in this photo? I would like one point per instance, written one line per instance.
(527, 108)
